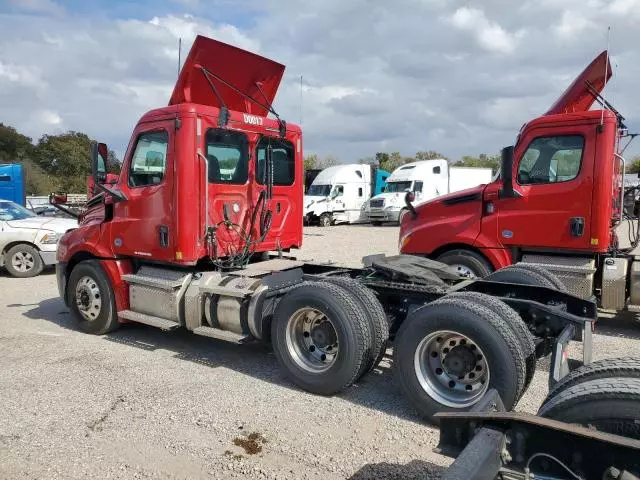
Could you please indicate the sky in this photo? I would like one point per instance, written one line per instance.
(363, 76)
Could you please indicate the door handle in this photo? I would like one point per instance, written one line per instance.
(576, 225)
(164, 236)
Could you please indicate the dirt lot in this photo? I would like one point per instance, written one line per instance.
(140, 403)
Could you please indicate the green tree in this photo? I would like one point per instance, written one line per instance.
(634, 165)
(14, 147)
(481, 161)
(430, 155)
(311, 161)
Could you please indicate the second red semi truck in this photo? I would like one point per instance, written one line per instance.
(557, 206)
(196, 231)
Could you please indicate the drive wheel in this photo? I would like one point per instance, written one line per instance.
(91, 299)
(557, 283)
(23, 261)
(517, 325)
(450, 352)
(609, 367)
(378, 323)
(467, 263)
(522, 276)
(325, 220)
(610, 405)
(321, 337)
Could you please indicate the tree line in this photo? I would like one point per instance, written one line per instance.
(55, 163)
(391, 161)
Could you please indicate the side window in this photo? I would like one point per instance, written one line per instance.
(359, 191)
(338, 191)
(417, 186)
(149, 159)
(551, 160)
(436, 170)
(5, 178)
(283, 155)
(228, 156)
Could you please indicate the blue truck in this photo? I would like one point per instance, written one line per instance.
(12, 183)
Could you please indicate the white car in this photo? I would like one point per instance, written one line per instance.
(28, 242)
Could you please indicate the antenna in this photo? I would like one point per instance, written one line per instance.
(179, 54)
(606, 72)
(301, 100)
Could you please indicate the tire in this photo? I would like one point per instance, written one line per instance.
(325, 220)
(610, 405)
(351, 330)
(23, 261)
(467, 262)
(517, 325)
(519, 275)
(403, 212)
(485, 331)
(609, 367)
(378, 323)
(376, 224)
(89, 288)
(557, 283)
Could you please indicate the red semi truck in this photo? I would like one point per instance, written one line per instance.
(196, 234)
(557, 205)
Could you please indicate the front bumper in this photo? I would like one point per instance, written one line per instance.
(48, 258)
(382, 215)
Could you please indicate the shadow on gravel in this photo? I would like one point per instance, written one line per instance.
(622, 325)
(376, 390)
(416, 469)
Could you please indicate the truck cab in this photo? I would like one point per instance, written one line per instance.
(556, 203)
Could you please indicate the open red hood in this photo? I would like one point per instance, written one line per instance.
(579, 97)
(244, 70)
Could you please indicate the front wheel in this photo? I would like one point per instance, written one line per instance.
(91, 299)
(325, 220)
(467, 263)
(23, 261)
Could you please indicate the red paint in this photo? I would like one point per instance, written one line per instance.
(118, 231)
(254, 75)
(578, 97)
(538, 219)
(114, 270)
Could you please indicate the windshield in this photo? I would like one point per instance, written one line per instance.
(319, 190)
(395, 187)
(13, 211)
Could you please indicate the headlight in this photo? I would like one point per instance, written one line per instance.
(50, 238)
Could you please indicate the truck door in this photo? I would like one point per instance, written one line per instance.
(143, 225)
(553, 173)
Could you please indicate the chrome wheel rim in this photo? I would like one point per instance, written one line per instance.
(312, 340)
(22, 261)
(451, 369)
(88, 298)
(463, 270)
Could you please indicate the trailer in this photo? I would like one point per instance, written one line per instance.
(191, 248)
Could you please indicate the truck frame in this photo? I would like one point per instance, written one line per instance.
(196, 233)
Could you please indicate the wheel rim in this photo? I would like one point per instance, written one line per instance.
(23, 261)
(325, 221)
(88, 298)
(463, 270)
(312, 340)
(451, 369)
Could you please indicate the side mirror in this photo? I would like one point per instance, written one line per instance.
(99, 162)
(506, 169)
(58, 198)
(409, 198)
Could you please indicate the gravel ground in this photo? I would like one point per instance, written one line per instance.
(140, 403)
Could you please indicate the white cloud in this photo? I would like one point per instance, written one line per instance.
(489, 34)
(572, 25)
(48, 118)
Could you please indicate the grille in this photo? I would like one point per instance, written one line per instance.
(376, 203)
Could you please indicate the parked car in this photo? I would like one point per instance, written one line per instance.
(28, 242)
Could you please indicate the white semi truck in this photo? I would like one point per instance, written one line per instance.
(427, 179)
(339, 193)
